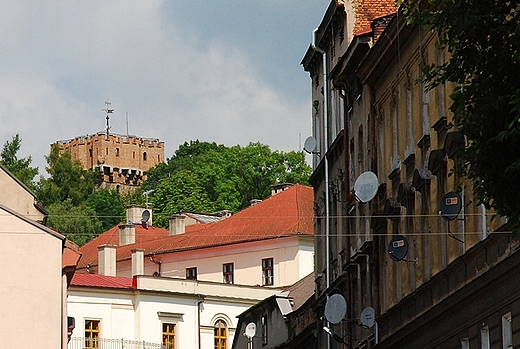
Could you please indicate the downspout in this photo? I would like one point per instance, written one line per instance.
(326, 161)
(199, 304)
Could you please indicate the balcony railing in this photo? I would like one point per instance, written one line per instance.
(107, 343)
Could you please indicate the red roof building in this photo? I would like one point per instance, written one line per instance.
(269, 243)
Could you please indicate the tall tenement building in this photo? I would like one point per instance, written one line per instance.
(122, 160)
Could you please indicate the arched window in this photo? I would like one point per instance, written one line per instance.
(117, 152)
(220, 334)
(144, 156)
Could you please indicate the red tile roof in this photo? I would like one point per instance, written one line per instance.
(288, 213)
(98, 280)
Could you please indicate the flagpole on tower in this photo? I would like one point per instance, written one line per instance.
(108, 110)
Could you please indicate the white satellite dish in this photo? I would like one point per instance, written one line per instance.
(335, 308)
(365, 187)
(368, 317)
(310, 145)
(250, 330)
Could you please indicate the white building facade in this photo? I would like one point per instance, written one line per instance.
(157, 312)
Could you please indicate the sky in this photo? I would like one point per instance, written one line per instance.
(218, 71)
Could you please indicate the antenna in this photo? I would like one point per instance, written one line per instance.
(398, 249)
(310, 145)
(108, 111)
(450, 206)
(250, 333)
(365, 187)
(146, 193)
(145, 217)
(335, 308)
(368, 318)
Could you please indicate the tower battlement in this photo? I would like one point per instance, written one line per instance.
(122, 160)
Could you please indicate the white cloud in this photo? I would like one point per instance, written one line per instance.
(63, 59)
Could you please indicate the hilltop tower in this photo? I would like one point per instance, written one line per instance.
(122, 161)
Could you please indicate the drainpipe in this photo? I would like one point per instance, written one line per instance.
(199, 305)
(326, 162)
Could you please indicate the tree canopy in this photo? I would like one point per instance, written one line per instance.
(207, 177)
(20, 168)
(68, 180)
(483, 39)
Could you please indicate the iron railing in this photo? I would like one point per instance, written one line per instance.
(109, 343)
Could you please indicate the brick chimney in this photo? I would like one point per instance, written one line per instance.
(137, 261)
(177, 225)
(107, 260)
(126, 234)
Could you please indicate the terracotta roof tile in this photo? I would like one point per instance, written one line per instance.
(288, 213)
(97, 280)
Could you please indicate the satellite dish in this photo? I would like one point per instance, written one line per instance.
(335, 308)
(250, 330)
(365, 187)
(310, 145)
(398, 248)
(145, 216)
(450, 206)
(368, 317)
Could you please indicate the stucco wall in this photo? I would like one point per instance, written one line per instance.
(17, 197)
(30, 266)
(139, 314)
(293, 260)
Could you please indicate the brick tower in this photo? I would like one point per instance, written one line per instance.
(121, 160)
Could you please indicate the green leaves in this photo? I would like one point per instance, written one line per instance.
(483, 38)
(20, 168)
(206, 177)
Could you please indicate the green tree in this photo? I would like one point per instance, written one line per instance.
(20, 168)
(206, 177)
(78, 223)
(483, 39)
(108, 206)
(183, 191)
(68, 180)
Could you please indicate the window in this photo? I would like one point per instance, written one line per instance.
(228, 271)
(220, 334)
(507, 332)
(117, 152)
(191, 273)
(484, 338)
(264, 330)
(91, 333)
(267, 272)
(168, 335)
(144, 156)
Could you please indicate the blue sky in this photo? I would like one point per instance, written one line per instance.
(226, 72)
